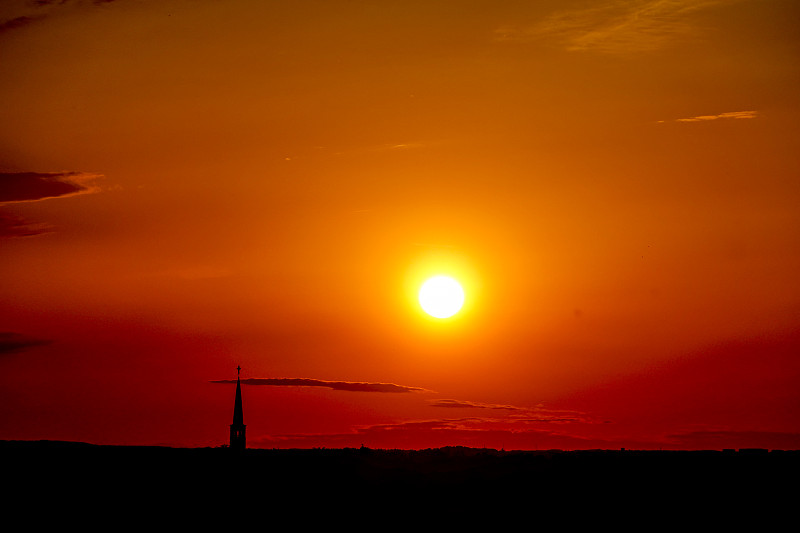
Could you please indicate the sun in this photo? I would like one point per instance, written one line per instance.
(441, 297)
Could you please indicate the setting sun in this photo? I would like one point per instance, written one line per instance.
(519, 212)
(441, 297)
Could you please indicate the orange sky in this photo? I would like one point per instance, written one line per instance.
(188, 186)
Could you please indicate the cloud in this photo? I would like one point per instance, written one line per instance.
(37, 10)
(416, 434)
(16, 187)
(11, 342)
(719, 439)
(520, 414)
(16, 22)
(464, 404)
(615, 27)
(35, 186)
(352, 386)
(12, 226)
(502, 426)
(730, 114)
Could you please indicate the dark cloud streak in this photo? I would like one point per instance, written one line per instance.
(11, 342)
(520, 414)
(20, 187)
(474, 432)
(42, 9)
(464, 404)
(34, 186)
(351, 386)
(16, 22)
(13, 226)
(718, 439)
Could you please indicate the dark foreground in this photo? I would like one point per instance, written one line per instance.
(321, 484)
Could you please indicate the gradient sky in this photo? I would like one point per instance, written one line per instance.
(191, 185)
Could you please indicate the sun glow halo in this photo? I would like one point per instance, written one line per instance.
(441, 297)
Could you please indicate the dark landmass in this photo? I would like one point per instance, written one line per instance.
(405, 481)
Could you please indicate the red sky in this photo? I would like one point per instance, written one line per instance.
(188, 186)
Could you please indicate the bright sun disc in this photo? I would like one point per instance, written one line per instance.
(441, 297)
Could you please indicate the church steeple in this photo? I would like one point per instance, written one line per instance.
(237, 428)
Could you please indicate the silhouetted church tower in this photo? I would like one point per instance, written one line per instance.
(237, 428)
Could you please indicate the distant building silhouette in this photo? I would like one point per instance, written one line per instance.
(238, 441)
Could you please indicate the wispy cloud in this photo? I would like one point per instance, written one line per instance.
(518, 414)
(723, 438)
(16, 187)
(17, 22)
(706, 118)
(13, 226)
(351, 386)
(11, 342)
(465, 404)
(493, 425)
(35, 186)
(615, 27)
(33, 11)
(468, 431)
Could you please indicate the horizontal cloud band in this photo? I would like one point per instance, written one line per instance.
(33, 186)
(11, 342)
(706, 118)
(353, 386)
(463, 404)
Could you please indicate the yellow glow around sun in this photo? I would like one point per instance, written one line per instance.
(441, 297)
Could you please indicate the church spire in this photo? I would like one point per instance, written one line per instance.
(238, 428)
